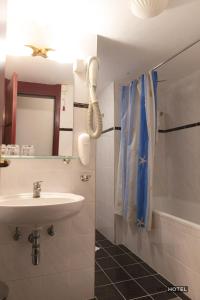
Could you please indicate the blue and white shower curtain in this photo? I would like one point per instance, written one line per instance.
(137, 149)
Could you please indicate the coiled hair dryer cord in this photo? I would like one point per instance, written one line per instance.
(94, 114)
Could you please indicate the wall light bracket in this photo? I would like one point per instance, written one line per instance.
(40, 51)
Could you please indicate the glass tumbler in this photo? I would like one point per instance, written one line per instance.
(3, 149)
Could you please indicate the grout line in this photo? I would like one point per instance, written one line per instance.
(148, 271)
(136, 263)
(129, 254)
(130, 275)
(160, 293)
(117, 266)
(111, 280)
(140, 298)
(141, 262)
(130, 279)
(151, 295)
(113, 284)
(80, 105)
(165, 284)
(179, 127)
(100, 240)
(111, 129)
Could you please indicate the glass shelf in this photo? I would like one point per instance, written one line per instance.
(65, 158)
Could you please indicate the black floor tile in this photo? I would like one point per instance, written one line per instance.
(107, 263)
(117, 275)
(124, 248)
(135, 257)
(164, 296)
(97, 244)
(97, 267)
(101, 279)
(136, 270)
(125, 260)
(145, 298)
(163, 280)
(107, 293)
(130, 289)
(101, 253)
(183, 296)
(151, 284)
(114, 250)
(155, 285)
(99, 236)
(149, 269)
(105, 243)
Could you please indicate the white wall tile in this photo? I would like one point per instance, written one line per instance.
(172, 247)
(67, 100)
(117, 91)
(106, 102)
(77, 285)
(81, 93)
(65, 143)
(105, 185)
(66, 269)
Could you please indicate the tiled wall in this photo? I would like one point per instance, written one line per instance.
(66, 120)
(66, 270)
(3, 14)
(180, 104)
(105, 166)
(171, 248)
(173, 244)
(105, 185)
(107, 153)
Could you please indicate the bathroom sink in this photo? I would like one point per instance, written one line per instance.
(23, 209)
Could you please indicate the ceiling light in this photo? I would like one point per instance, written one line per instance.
(148, 8)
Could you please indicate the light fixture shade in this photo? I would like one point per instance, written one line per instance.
(148, 8)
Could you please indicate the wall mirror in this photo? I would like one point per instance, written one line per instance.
(38, 106)
(39, 89)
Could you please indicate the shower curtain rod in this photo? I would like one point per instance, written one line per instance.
(175, 55)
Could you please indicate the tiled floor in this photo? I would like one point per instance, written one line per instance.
(121, 275)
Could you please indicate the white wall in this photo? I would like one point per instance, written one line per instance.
(171, 247)
(105, 166)
(105, 185)
(107, 161)
(180, 101)
(66, 120)
(66, 270)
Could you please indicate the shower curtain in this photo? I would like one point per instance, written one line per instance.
(137, 148)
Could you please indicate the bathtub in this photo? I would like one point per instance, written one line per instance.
(172, 248)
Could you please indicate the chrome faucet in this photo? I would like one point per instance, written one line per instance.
(37, 189)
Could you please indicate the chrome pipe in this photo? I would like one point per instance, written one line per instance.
(34, 238)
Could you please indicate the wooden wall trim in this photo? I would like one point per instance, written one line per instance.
(3, 13)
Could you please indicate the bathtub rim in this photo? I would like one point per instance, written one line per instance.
(194, 228)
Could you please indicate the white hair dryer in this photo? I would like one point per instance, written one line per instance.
(93, 110)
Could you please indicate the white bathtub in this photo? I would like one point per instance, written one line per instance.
(173, 246)
(186, 210)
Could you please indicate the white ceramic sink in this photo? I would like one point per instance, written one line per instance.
(23, 209)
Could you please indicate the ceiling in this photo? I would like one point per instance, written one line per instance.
(127, 46)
